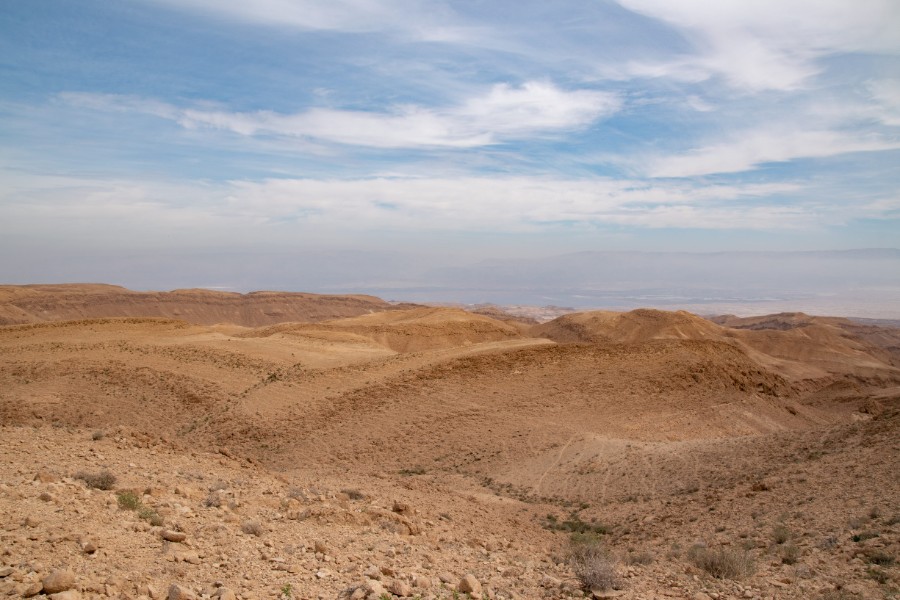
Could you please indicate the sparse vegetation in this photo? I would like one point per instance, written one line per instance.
(354, 494)
(128, 500)
(781, 534)
(641, 557)
(839, 594)
(214, 499)
(722, 563)
(878, 557)
(104, 480)
(592, 564)
(252, 528)
(287, 591)
(575, 525)
(789, 553)
(863, 536)
(98, 435)
(413, 471)
(151, 516)
(878, 575)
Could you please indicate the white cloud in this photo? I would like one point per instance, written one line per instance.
(262, 210)
(886, 94)
(750, 149)
(771, 44)
(430, 21)
(504, 112)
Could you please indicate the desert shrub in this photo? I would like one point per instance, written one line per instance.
(863, 536)
(128, 500)
(98, 435)
(789, 553)
(642, 557)
(575, 525)
(858, 522)
(839, 594)
(781, 534)
(591, 563)
(252, 528)
(104, 480)
(878, 557)
(151, 516)
(722, 563)
(878, 575)
(214, 499)
(354, 494)
(418, 470)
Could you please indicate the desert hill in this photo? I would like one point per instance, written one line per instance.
(797, 346)
(38, 303)
(428, 443)
(409, 330)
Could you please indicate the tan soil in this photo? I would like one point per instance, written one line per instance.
(432, 441)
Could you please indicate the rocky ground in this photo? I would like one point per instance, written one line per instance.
(435, 454)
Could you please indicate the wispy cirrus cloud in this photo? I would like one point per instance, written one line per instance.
(749, 149)
(769, 44)
(503, 112)
(256, 209)
(417, 19)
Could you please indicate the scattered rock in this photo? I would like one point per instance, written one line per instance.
(30, 589)
(400, 588)
(226, 594)
(320, 547)
(173, 536)
(45, 477)
(373, 588)
(177, 592)
(5, 572)
(67, 595)
(373, 572)
(58, 581)
(188, 557)
(469, 585)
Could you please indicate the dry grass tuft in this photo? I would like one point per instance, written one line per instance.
(722, 563)
(592, 564)
(252, 528)
(104, 480)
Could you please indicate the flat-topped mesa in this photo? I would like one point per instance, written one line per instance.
(39, 303)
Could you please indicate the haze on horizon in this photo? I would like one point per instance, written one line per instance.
(463, 151)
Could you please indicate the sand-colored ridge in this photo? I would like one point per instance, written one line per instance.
(410, 330)
(630, 327)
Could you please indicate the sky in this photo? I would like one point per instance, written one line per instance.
(198, 142)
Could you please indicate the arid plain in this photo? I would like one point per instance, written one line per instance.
(271, 445)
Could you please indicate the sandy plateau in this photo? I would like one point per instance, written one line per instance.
(196, 444)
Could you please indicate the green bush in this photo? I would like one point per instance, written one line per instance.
(128, 500)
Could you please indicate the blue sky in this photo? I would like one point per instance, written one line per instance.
(183, 128)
